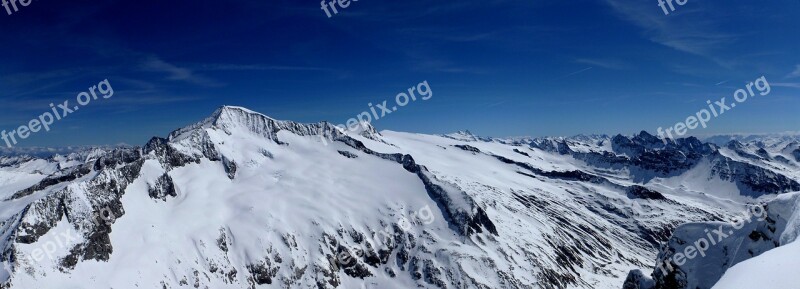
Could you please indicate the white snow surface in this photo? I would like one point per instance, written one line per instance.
(775, 269)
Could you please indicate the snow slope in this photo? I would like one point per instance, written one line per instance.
(776, 269)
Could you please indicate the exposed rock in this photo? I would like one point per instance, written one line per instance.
(163, 188)
(348, 155)
(468, 148)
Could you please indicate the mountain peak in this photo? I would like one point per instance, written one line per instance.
(231, 113)
(233, 108)
(464, 135)
(647, 139)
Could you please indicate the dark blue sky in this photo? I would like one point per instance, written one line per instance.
(498, 68)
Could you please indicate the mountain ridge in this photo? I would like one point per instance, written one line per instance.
(290, 199)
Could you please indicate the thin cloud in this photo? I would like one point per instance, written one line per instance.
(450, 34)
(497, 103)
(151, 100)
(795, 73)
(570, 74)
(786, 84)
(577, 72)
(686, 32)
(25, 78)
(257, 67)
(604, 63)
(470, 38)
(176, 73)
(429, 65)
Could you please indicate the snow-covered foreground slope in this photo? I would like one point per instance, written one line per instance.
(240, 200)
(776, 268)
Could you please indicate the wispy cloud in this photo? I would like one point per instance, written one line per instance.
(605, 63)
(445, 66)
(786, 84)
(470, 38)
(450, 34)
(393, 13)
(795, 73)
(258, 67)
(25, 78)
(497, 103)
(569, 75)
(176, 73)
(579, 71)
(686, 32)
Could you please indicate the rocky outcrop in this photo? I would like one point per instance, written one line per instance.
(89, 207)
(163, 188)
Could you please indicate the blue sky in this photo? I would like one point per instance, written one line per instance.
(497, 68)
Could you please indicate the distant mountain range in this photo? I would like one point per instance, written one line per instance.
(241, 200)
(46, 152)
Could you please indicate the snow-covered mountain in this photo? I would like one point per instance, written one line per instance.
(47, 152)
(241, 200)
